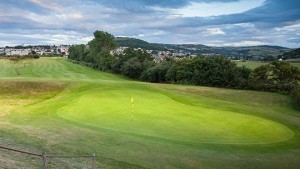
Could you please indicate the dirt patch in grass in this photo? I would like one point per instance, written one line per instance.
(29, 89)
(15, 94)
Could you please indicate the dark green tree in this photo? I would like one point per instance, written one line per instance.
(157, 73)
(105, 61)
(99, 49)
(102, 42)
(284, 75)
(76, 52)
(276, 76)
(261, 78)
(132, 68)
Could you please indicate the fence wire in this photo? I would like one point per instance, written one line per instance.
(60, 161)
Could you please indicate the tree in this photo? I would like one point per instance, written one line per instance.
(260, 78)
(296, 95)
(99, 50)
(102, 42)
(181, 72)
(277, 76)
(157, 73)
(140, 54)
(132, 68)
(33, 52)
(242, 77)
(76, 52)
(105, 61)
(285, 76)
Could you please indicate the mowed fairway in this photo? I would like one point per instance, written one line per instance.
(58, 107)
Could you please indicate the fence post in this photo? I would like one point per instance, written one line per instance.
(45, 160)
(94, 161)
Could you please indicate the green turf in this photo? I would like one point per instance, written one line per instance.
(55, 106)
(255, 64)
(159, 116)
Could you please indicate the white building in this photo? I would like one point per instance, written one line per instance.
(21, 52)
(64, 50)
(2, 51)
(118, 51)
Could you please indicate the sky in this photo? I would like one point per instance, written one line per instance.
(208, 22)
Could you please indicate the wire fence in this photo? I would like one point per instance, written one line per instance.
(46, 159)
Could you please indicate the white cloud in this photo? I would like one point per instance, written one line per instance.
(75, 15)
(234, 44)
(215, 31)
(48, 4)
(289, 28)
(156, 33)
(8, 43)
(45, 37)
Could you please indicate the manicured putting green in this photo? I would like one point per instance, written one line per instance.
(157, 115)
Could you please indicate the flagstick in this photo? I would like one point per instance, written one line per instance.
(132, 113)
(132, 109)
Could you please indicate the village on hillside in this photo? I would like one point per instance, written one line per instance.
(61, 50)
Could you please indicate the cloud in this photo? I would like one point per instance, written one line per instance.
(46, 37)
(289, 28)
(204, 9)
(294, 40)
(216, 22)
(215, 31)
(241, 43)
(137, 5)
(48, 4)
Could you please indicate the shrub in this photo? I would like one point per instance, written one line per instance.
(296, 95)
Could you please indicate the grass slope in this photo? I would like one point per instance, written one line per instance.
(55, 106)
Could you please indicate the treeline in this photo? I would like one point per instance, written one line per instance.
(205, 71)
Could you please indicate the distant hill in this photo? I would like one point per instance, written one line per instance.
(137, 43)
(294, 54)
(263, 52)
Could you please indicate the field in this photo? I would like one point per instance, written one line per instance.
(255, 64)
(51, 105)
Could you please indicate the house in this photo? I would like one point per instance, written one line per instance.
(21, 52)
(118, 51)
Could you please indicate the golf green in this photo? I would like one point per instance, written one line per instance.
(158, 115)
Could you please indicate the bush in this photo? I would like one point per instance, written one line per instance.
(276, 76)
(296, 95)
(132, 68)
(156, 74)
(35, 56)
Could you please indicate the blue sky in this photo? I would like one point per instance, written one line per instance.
(209, 22)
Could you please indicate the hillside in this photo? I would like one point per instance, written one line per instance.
(294, 54)
(137, 43)
(253, 52)
(264, 52)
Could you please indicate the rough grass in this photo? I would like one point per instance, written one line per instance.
(63, 108)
